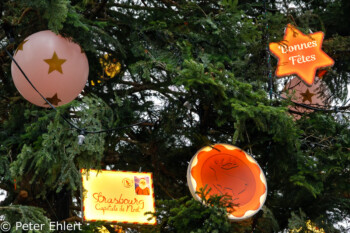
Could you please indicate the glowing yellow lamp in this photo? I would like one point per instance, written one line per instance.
(111, 67)
(118, 197)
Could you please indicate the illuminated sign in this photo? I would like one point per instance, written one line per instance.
(118, 196)
(227, 170)
(300, 54)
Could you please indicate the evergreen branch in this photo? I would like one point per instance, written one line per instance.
(73, 219)
(94, 12)
(5, 187)
(26, 215)
(170, 3)
(28, 9)
(135, 7)
(165, 190)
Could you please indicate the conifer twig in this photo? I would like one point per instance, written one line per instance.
(73, 219)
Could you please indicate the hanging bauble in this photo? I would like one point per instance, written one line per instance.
(56, 66)
(111, 67)
(315, 96)
(227, 170)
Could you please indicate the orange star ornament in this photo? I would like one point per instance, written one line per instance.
(300, 54)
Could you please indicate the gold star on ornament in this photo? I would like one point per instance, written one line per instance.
(20, 46)
(307, 96)
(55, 63)
(54, 100)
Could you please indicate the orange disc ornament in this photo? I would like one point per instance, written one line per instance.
(228, 170)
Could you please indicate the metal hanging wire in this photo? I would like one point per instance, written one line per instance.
(268, 55)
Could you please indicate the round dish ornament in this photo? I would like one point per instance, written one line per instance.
(227, 169)
(56, 66)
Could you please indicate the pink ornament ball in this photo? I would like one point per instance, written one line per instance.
(56, 66)
(316, 96)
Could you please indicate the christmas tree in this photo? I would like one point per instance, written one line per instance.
(189, 74)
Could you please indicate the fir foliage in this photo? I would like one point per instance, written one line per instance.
(25, 215)
(195, 73)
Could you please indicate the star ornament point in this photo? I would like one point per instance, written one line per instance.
(54, 100)
(55, 63)
(20, 46)
(307, 96)
(300, 54)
